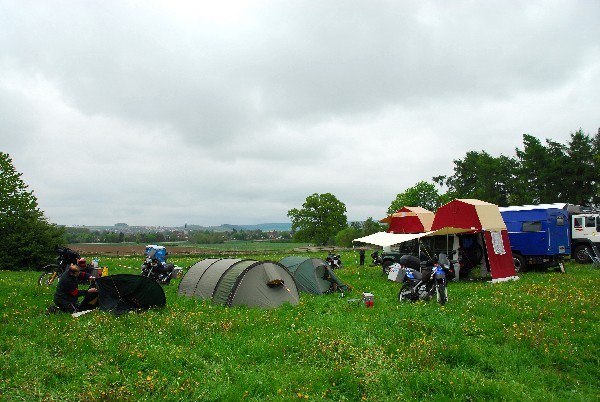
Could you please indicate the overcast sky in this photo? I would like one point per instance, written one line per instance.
(170, 112)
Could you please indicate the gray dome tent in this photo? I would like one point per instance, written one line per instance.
(309, 274)
(233, 282)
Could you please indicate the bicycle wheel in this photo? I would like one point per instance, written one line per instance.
(50, 276)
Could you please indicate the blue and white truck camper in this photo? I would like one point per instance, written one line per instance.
(539, 235)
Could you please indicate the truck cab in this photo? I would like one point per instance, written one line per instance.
(585, 234)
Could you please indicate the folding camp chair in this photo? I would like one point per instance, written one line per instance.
(594, 255)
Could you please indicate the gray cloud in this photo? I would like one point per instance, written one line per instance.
(170, 112)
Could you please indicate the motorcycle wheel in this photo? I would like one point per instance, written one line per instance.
(442, 293)
(385, 267)
(50, 276)
(405, 293)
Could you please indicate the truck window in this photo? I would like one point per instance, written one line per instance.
(533, 226)
(560, 220)
(578, 222)
(598, 223)
(590, 221)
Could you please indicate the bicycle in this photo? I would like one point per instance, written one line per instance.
(52, 272)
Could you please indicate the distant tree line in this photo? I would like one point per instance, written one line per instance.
(537, 174)
(74, 235)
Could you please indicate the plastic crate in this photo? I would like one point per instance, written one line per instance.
(100, 272)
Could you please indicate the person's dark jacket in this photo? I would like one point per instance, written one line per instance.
(67, 291)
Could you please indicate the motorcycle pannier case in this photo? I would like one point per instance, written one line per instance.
(410, 261)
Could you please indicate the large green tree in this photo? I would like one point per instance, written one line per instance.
(422, 194)
(596, 148)
(540, 172)
(27, 238)
(557, 172)
(481, 176)
(321, 217)
(581, 173)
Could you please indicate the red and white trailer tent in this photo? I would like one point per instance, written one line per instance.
(409, 220)
(474, 216)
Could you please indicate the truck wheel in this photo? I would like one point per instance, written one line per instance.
(520, 264)
(581, 254)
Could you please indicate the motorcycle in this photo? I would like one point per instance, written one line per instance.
(157, 271)
(334, 261)
(423, 285)
(64, 259)
(376, 258)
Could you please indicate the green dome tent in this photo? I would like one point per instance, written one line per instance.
(309, 274)
(232, 282)
(118, 294)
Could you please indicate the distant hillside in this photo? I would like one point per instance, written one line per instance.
(265, 227)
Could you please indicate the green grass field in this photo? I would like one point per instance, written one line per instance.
(536, 339)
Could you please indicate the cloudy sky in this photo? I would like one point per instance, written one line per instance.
(211, 112)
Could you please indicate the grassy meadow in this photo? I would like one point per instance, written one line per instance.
(536, 339)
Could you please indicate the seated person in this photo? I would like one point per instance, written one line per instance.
(68, 292)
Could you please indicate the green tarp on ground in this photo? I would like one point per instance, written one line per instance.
(118, 294)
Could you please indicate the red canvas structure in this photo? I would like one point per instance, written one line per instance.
(409, 220)
(475, 216)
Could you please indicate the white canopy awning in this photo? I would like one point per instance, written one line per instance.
(385, 239)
